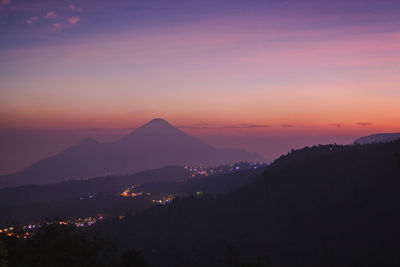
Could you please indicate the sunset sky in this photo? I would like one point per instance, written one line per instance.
(211, 67)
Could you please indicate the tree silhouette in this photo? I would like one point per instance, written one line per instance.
(230, 256)
(3, 255)
(132, 258)
(255, 263)
(60, 245)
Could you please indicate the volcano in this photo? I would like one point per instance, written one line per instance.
(154, 145)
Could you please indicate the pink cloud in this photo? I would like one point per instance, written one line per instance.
(365, 124)
(32, 20)
(74, 8)
(56, 26)
(73, 20)
(5, 2)
(51, 15)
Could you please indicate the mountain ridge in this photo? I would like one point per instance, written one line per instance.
(377, 138)
(156, 144)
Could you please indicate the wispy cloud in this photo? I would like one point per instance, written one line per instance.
(245, 125)
(51, 15)
(5, 2)
(73, 20)
(74, 8)
(56, 26)
(32, 20)
(195, 126)
(337, 124)
(233, 126)
(365, 124)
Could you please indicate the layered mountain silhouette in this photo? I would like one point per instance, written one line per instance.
(153, 145)
(377, 138)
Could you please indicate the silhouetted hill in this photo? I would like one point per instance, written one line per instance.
(321, 206)
(72, 199)
(377, 138)
(75, 189)
(154, 145)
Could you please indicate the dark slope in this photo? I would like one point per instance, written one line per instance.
(320, 206)
(109, 185)
(72, 199)
(377, 138)
(154, 145)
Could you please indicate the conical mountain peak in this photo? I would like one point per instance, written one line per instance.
(158, 122)
(159, 126)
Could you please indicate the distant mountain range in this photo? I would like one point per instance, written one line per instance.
(377, 138)
(154, 145)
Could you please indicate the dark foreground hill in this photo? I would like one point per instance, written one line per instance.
(154, 145)
(321, 206)
(30, 204)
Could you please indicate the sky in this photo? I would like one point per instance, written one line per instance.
(216, 68)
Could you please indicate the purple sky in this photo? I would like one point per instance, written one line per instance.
(232, 72)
